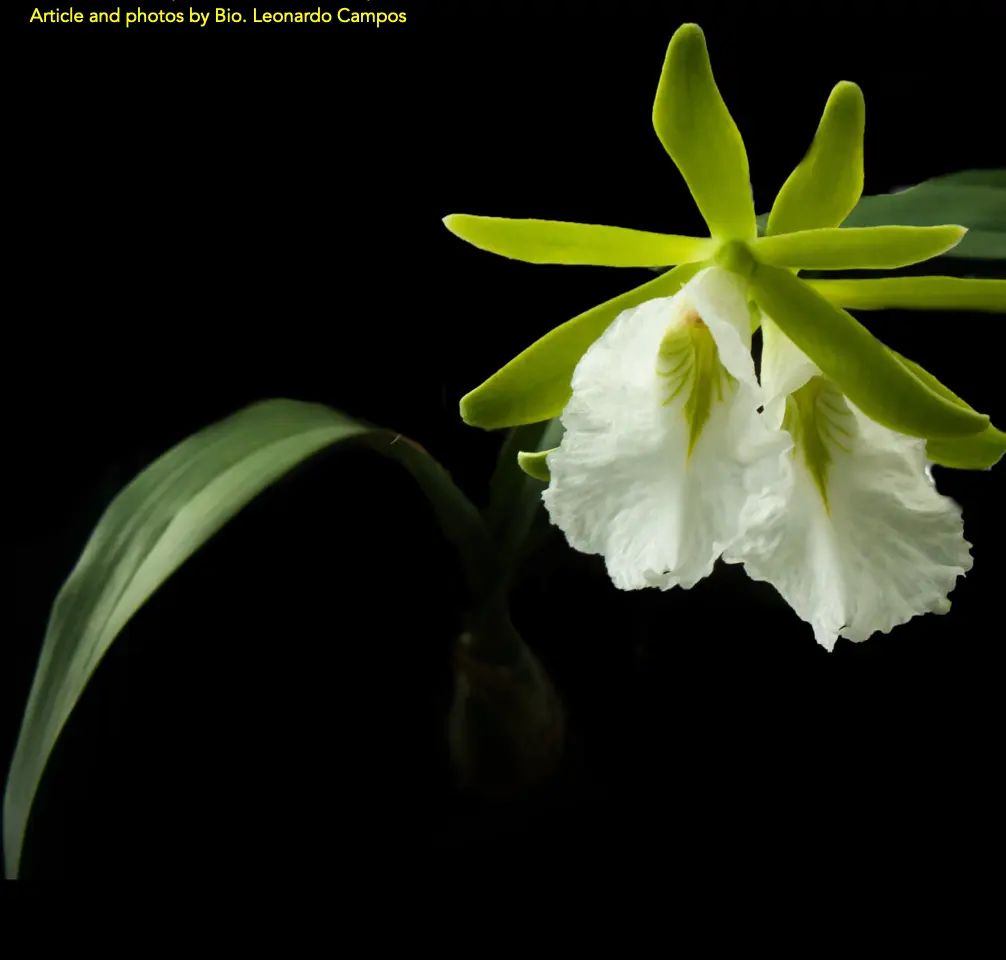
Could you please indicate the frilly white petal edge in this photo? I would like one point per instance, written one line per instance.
(622, 482)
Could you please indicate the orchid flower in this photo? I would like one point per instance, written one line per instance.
(674, 454)
(854, 535)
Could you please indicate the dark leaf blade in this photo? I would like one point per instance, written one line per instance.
(515, 497)
(158, 521)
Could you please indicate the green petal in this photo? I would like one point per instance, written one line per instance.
(847, 353)
(978, 452)
(534, 465)
(864, 248)
(696, 129)
(535, 385)
(915, 293)
(553, 241)
(823, 190)
(975, 198)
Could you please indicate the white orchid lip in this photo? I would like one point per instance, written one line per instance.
(663, 442)
(855, 537)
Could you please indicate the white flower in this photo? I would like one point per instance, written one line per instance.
(855, 536)
(663, 442)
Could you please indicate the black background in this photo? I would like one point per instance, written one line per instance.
(213, 217)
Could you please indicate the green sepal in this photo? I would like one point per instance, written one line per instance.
(979, 452)
(976, 198)
(535, 385)
(859, 248)
(534, 465)
(865, 370)
(696, 129)
(554, 241)
(915, 293)
(823, 190)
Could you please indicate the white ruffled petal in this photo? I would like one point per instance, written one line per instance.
(884, 548)
(623, 483)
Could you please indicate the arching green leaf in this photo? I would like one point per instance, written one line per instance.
(696, 129)
(825, 187)
(158, 521)
(552, 241)
(866, 371)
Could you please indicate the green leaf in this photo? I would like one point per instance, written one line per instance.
(982, 451)
(825, 187)
(914, 293)
(534, 465)
(535, 385)
(552, 241)
(848, 354)
(974, 198)
(696, 129)
(513, 496)
(159, 520)
(866, 248)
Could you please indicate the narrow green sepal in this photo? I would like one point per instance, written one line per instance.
(534, 465)
(915, 293)
(976, 198)
(824, 189)
(981, 451)
(555, 241)
(535, 385)
(864, 369)
(857, 248)
(696, 129)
